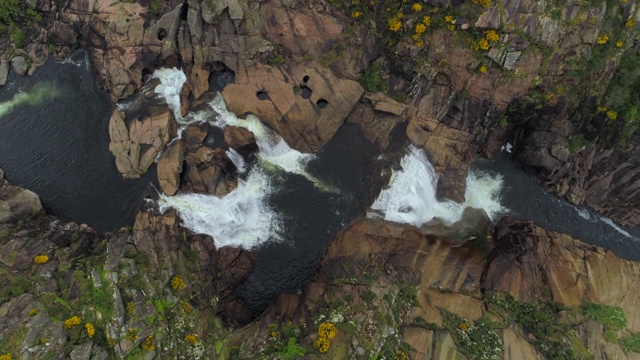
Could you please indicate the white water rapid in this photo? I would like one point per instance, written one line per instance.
(273, 149)
(242, 218)
(411, 195)
(170, 87)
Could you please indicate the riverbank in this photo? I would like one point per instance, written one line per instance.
(388, 289)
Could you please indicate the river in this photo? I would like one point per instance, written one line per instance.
(54, 141)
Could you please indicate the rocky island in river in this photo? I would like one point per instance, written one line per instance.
(277, 131)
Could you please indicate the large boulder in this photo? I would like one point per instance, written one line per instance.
(305, 104)
(15, 202)
(170, 168)
(136, 143)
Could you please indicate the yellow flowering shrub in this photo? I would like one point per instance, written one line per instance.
(485, 3)
(464, 326)
(41, 259)
(322, 344)
(415, 37)
(191, 339)
(483, 69)
(177, 283)
(602, 109)
(6, 356)
(149, 344)
(492, 35)
(130, 309)
(483, 44)
(619, 44)
(327, 330)
(449, 19)
(612, 115)
(356, 14)
(132, 334)
(419, 43)
(420, 28)
(630, 23)
(187, 307)
(416, 7)
(394, 24)
(603, 39)
(91, 330)
(71, 322)
(426, 20)
(33, 312)
(400, 355)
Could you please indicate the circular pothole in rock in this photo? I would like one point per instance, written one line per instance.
(262, 95)
(162, 33)
(322, 103)
(305, 78)
(306, 92)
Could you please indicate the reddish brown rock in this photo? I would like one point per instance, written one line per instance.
(238, 138)
(305, 124)
(170, 167)
(136, 143)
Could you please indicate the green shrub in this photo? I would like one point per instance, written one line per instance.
(372, 80)
(612, 317)
(631, 343)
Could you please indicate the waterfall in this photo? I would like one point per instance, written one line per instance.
(272, 147)
(241, 218)
(237, 160)
(35, 96)
(170, 88)
(411, 195)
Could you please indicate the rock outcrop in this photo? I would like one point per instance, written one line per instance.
(136, 143)
(16, 202)
(305, 104)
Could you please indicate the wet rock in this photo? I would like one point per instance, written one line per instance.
(136, 143)
(207, 171)
(238, 138)
(170, 168)
(306, 124)
(19, 65)
(16, 203)
(199, 81)
(474, 226)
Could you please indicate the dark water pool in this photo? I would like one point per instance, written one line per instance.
(58, 146)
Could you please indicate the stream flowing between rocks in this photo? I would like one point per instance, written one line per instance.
(54, 141)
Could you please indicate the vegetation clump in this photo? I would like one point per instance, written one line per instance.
(72, 321)
(91, 330)
(149, 344)
(41, 259)
(177, 283)
(631, 343)
(612, 317)
(326, 332)
(478, 340)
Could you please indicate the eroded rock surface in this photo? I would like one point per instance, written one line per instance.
(305, 104)
(136, 143)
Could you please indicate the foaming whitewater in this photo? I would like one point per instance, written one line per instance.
(170, 87)
(34, 97)
(242, 218)
(273, 150)
(411, 195)
(237, 160)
